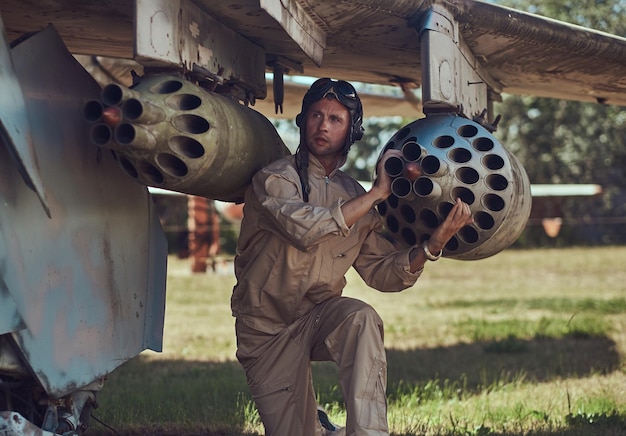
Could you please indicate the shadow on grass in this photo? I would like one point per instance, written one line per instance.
(167, 397)
(485, 363)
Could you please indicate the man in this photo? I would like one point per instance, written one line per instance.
(305, 224)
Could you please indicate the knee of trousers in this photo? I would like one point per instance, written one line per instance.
(366, 316)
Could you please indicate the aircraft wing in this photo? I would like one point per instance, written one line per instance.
(372, 41)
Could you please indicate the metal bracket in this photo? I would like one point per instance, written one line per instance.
(180, 35)
(452, 78)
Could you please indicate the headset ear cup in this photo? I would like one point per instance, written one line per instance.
(358, 129)
(359, 133)
(299, 120)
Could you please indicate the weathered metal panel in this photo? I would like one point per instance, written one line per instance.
(372, 40)
(10, 319)
(448, 79)
(89, 282)
(103, 27)
(178, 33)
(14, 124)
(299, 25)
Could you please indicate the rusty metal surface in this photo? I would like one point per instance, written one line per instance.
(372, 40)
(89, 282)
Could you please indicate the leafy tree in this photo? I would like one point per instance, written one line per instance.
(572, 142)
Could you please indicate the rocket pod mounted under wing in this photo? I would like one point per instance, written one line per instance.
(444, 157)
(170, 133)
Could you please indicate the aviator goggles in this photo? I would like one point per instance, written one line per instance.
(342, 90)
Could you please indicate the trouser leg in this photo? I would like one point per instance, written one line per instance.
(352, 334)
(279, 378)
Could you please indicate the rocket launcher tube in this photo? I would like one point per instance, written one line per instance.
(101, 135)
(394, 166)
(142, 112)
(127, 134)
(433, 166)
(115, 95)
(425, 187)
(92, 111)
(184, 138)
(401, 187)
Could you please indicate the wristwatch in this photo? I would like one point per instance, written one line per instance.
(428, 254)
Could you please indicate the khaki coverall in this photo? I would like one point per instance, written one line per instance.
(291, 262)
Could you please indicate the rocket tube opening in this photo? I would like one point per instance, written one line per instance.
(453, 244)
(460, 155)
(467, 175)
(425, 187)
(493, 162)
(191, 123)
(466, 195)
(411, 151)
(125, 133)
(135, 135)
(468, 234)
(443, 141)
(394, 166)
(428, 218)
(409, 236)
(187, 146)
(112, 94)
(392, 200)
(484, 220)
(142, 112)
(392, 224)
(482, 144)
(444, 208)
(184, 102)
(493, 202)
(100, 134)
(408, 213)
(401, 187)
(167, 87)
(132, 109)
(150, 173)
(92, 111)
(172, 165)
(497, 182)
(467, 131)
(382, 208)
(128, 167)
(432, 166)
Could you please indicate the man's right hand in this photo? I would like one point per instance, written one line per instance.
(382, 180)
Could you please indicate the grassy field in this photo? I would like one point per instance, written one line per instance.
(522, 343)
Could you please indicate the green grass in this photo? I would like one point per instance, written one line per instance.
(527, 342)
